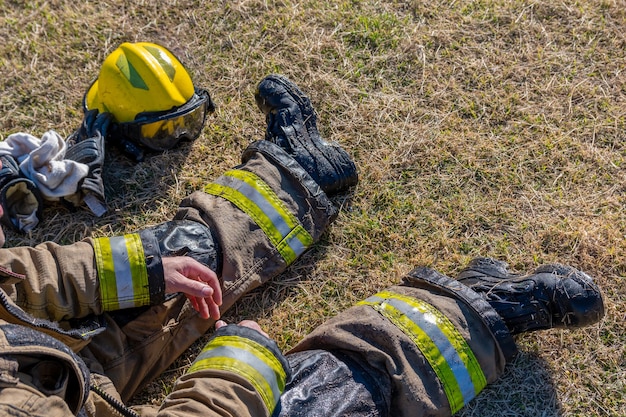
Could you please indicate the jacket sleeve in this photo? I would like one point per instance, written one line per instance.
(238, 373)
(63, 282)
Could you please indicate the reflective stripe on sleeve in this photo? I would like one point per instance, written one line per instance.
(254, 197)
(122, 272)
(248, 359)
(445, 349)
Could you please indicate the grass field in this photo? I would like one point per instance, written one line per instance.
(492, 128)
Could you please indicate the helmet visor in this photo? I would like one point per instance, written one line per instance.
(163, 130)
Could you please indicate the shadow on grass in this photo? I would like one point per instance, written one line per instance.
(137, 195)
(260, 302)
(526, 389)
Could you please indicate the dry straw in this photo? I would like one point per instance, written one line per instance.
(489, 128)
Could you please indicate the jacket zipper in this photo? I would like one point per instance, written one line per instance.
(113, 402)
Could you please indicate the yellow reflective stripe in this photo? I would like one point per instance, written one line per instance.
(244, 370)
(440, 342)
(255, 348)
(122, 272)
(268, 194)
(248, 359)
(106, 273)
(248, 207)
(294, 244)
(140, 295)
(253, 196)
(295, 238)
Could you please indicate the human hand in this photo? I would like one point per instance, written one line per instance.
(198, 282)
(245, 323)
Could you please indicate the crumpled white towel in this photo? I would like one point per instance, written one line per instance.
(43, 162)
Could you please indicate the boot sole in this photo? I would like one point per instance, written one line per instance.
(301, 99)
(310, 126)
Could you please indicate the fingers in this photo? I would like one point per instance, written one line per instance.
(205, 306)
(202, 299)
(245, 323)
(200, 275)
(193, 286)
(209, 277)
(205, 298)
(198, 282)
(253, 325)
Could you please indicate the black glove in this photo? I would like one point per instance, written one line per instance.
(86, 145)
(20, 198)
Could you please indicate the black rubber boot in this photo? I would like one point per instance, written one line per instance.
(553, 296)
(292, 125)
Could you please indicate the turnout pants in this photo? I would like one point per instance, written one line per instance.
(423, 348)
(261, 216)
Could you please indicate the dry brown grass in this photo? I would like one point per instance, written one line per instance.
(480, 128)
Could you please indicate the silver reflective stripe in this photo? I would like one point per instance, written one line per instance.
(258, 199)
(296, 245)
(123, 273)
(438, 339)
(429, 324)
(246, 357)
(255, 197)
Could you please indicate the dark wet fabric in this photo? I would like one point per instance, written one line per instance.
(387, 353)
(328, 384)
(187, 238)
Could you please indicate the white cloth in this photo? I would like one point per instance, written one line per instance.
(43, 162)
